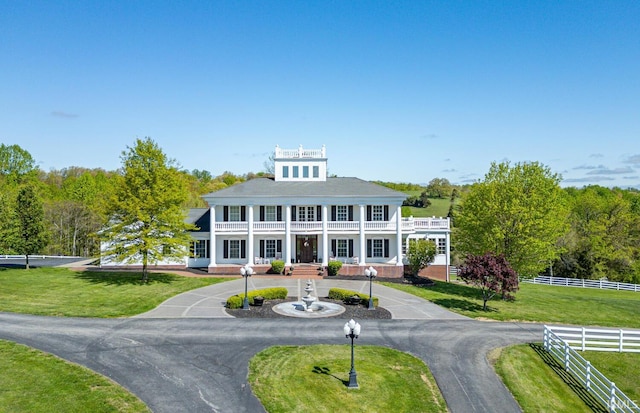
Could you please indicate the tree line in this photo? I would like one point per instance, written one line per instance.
(517, 211)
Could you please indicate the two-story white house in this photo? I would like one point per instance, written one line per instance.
(302, 216)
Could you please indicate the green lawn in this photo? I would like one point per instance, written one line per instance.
(538, 303)
(621, 368)
(439, 208)
(33, 381)
(314, 378)
(63, 292)
(539, 383)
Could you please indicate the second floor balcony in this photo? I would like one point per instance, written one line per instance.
(408, 225)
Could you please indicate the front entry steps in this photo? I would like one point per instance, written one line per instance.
(307, 271)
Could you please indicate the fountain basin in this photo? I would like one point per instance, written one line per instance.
(318, 309)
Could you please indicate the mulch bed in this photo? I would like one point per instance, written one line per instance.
(357, 312)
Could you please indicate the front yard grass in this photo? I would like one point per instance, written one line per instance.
(299, 378)
(68, 293)
(538, 303)
(33, 381)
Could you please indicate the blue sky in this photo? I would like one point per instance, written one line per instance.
(401, 91)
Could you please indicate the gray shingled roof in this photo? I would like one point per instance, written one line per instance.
(332, 187)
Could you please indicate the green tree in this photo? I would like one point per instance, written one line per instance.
(439, 188)
(15, 162)
(518, 211)
(28, 235)
(147, 220)
(420, 254)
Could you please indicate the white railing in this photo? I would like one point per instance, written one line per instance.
(343, 225)
(300, 153)
(579, 282)
(408, 225)
(22, 257)
(241, 226)
(595, 382)
(270, 226)
(306, 226)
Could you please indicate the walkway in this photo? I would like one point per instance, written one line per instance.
(209, 302)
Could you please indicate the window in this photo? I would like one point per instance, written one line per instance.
(316, 171)
(234, 213)
(342, 248)
(270, 248)
(270, 213)
(285, 171)
(201, 248)
(377, 248)
(441, 246)
(234, 248)
(306, 213)
(295, 171)
(377, 213)
(305, 171)
(342, 213)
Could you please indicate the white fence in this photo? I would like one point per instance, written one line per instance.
(561, 342)
(579, 282)
(22, 257)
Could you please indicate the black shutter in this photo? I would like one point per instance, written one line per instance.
(279, 245)
(279, 213)
(225, 213)
(243, 213)
(243, 248)
(294, 216)
(225, 246)
(350, 212)
(333, 248)
(351, 248)
(386, 248)
(333, 213)
(368, 212)
(261, 212)
(262, 248)
(319, 213)
(369, 248)
(386, 212)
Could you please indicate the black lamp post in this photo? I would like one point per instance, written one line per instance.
(371, 273)
(352, 330)
(246, 272)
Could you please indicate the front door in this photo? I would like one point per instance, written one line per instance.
(306, 246)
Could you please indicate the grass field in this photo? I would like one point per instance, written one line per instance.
(538, 303)
(300, 378)
(36, 382)
(63, 292)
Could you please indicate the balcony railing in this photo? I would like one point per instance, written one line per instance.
(409, 225)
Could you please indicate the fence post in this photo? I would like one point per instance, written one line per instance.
(545, 338)
(587, 377)
(621, 344)
(584, 339)
(612, 398)
(566, 355)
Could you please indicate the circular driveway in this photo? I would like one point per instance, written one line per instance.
(199, 363)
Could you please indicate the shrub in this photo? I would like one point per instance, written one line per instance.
(343, 295)
(277, 266)
(334, 267)
(235, 301)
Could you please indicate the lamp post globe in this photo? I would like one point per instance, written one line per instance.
(371, 273)
(352, 330)
(246, 272)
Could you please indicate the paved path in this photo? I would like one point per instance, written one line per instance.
(209, 301)
(200, 364)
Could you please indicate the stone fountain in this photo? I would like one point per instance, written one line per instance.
(309, 306)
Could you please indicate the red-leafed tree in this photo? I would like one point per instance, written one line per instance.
(492, 274)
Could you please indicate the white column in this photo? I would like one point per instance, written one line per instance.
(325, 237)
(363, 244)
(399, 234)
(287, 235)
(250, 251)
(212, 236)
